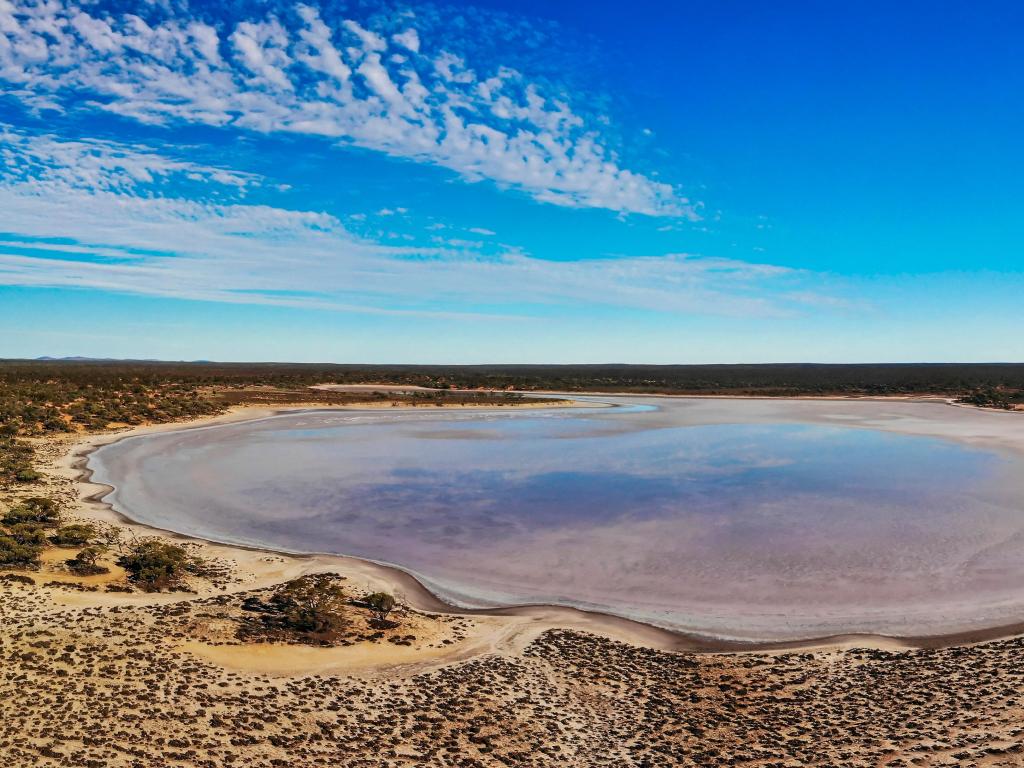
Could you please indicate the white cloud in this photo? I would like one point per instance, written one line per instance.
(408, 39)
(371, 40)
(319, 53)
(296, 72)
(105, 226)
(41, 161)
(262, 48)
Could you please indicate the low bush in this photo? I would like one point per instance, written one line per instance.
(85, 563)
(74, 535)
(36, 509)
(16, 555)
(381, 604)
(16, 578)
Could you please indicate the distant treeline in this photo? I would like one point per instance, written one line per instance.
(772, 379)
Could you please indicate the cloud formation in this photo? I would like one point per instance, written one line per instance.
(101, 215)
(41, 161)
(300, 70)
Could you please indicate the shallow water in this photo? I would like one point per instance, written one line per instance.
(723, 519)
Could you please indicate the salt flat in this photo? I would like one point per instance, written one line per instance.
(733, 518)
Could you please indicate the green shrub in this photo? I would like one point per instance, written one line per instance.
(26, 475)
(13, 554)
(85, 562)
(312, 604)
(74, 535)
(31, 534)
(36, 509)
(380, 605)
(154, 565)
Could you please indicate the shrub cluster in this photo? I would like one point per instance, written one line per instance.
(310, 609)
(85, 563)
(153, 565)
(74, 535)
(23, 531)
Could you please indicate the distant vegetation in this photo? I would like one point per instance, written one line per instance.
(994, 397)
(53, 396)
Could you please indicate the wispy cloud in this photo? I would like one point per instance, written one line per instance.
(43, 160)
(97, 214)
(301, 70)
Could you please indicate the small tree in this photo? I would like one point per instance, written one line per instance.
(313, 604)
(14, 554)
(154, 564)
(74, 535)
(110, 537)
(380, 604)
(85, 562)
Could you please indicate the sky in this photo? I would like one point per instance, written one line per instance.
(420, 182)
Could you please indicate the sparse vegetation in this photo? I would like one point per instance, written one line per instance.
(153, 565)
(380, 604)
(85, 563)
(15, 461)
(74, 535)
(14, 554)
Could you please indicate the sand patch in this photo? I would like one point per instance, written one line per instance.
(281, 660)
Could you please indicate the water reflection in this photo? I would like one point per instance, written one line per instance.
(706, 525)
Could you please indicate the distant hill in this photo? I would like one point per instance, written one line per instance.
(108, 359)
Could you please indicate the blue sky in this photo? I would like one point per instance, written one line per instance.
(512, 182)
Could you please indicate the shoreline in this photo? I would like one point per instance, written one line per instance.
(519, 619)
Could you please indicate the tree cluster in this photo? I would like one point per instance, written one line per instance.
(23, 531)
(311, 609)
(154, 565)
